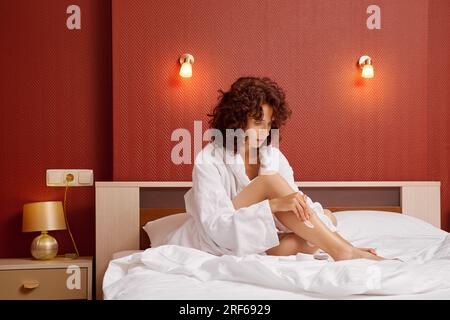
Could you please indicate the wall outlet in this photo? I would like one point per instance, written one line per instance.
(78, 177)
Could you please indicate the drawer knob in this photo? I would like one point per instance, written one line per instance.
(32, 284)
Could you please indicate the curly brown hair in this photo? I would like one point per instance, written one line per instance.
(243, 100)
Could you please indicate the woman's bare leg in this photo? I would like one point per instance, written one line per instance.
(330, 215)
(333, 219)
(274, 186)
(291, 244)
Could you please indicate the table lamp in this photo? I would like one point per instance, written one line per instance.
(43, 216)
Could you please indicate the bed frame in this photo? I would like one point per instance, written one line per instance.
(122, 208)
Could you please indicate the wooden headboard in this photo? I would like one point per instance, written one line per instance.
(121, 209)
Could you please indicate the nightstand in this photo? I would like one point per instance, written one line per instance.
(59, 278)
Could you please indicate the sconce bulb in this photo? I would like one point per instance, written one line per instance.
(186, 61)
(367, 71)
(186, 70)
(365, 63)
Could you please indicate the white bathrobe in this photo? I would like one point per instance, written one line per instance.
(214, 225)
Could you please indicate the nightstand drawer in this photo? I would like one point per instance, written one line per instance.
(53, 283)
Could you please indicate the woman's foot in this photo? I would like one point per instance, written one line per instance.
(357, 253)
(370, 250)
(366, 253)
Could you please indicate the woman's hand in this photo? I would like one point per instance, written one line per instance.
(294, 202)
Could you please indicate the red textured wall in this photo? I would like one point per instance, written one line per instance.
(56, 98)
(343, 127)
(439, 101)
(55, 112)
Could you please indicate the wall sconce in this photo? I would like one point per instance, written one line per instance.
(186, 61)
(365, 63)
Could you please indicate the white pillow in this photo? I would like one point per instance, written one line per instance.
(371, 224)
(157, 230)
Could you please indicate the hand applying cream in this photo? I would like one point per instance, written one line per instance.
(307, 222)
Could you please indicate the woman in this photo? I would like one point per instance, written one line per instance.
(244, 199)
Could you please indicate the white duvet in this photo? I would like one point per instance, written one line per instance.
(425, 267)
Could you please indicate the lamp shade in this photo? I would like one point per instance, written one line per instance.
(43, 216)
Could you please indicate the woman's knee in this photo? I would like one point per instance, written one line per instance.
(275, 185)
(273, 178)
(269, 176)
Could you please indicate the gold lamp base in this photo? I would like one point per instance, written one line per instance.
(44, 247)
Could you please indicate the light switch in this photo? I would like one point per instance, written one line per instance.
(54, 177)
(85, 177)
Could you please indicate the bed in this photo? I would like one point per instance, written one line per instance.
(172, 272)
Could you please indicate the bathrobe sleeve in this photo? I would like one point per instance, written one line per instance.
(239, 232)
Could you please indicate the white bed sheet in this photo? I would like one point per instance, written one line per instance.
(160, 286)
(173, 272)
(178, 273)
